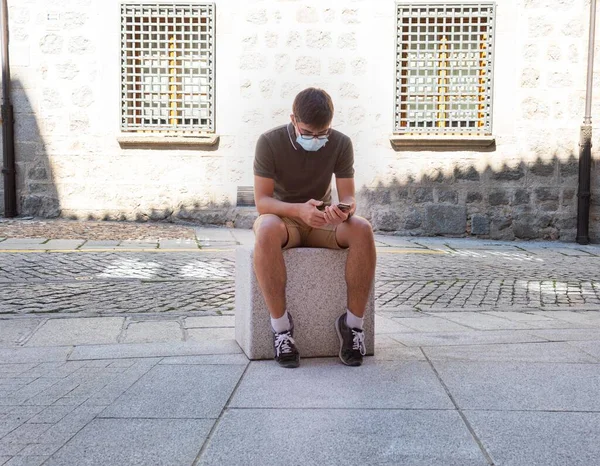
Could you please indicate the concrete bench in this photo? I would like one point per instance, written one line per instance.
(316, 296)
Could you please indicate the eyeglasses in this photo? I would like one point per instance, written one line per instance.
(309, 136)
(314, 136)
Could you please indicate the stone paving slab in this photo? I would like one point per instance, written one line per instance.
(210, 334)
(396, 242)
(243, 237)
(12, 241)
(23, 247)
(141, 350)
(97, 244)
(383, 325)
(13, 331)
(215, 234)
(431, 324)
(425, 339)
(63, 243)
(59, 369)
(538, 438)
(208, 359)
(178, 244)
(516, 352)
(483, 245)
(395, 352)
(590, 347)
(575, 334)
(95, 330)
(482, 321)
(572, 252)
(327, 383)
(134, 442)
(27, 461)
(522, 386)
(153, 332)
(329, 437)
(135, 244)
(586, 318)
(209, 321)
(178, 391)
(24, 355)
(525, 317)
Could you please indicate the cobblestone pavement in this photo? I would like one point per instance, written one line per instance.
(428, 277)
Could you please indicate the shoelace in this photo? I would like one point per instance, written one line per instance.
(358, 341)
(282, 343)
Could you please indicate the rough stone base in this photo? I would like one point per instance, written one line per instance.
(316, 296)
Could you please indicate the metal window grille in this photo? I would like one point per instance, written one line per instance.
(167, 67)
(444, 68)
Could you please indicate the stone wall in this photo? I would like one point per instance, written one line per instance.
(66, 71)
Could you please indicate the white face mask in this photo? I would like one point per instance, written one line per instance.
(313, 144)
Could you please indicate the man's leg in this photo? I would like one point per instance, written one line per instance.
(357, 235)
(271, 235)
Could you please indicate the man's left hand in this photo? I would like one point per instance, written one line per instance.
(334, 216)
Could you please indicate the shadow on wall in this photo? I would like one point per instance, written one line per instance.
(528, 201)
(213, 214)
(36, 190)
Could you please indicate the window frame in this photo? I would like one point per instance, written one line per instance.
(174, 130)
(432, 135)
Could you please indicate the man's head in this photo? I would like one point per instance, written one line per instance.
(312, 111)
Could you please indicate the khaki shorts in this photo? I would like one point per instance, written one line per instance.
(301, 235)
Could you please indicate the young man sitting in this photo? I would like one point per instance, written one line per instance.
(293, 169)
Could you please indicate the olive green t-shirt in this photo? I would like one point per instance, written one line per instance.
(302, 175)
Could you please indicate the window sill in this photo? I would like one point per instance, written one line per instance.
(442, 142)
(167, 141)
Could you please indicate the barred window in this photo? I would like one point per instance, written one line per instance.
(444, 68)
(167, 67)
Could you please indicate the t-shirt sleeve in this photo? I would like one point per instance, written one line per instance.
(344, 166)
(264, 163)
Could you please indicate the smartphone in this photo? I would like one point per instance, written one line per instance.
(344, 207)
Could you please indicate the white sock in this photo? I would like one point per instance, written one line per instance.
(354, 322)
(282, 324)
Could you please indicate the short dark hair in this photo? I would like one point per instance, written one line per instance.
(314, 107)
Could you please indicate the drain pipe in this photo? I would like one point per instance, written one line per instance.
(8, 131)
(585, 143)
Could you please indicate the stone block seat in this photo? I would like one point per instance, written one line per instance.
(316, 296)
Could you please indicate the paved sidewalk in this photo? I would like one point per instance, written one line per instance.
(486, 353)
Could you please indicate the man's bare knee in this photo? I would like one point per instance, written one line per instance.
(360, 229)
(271, 230)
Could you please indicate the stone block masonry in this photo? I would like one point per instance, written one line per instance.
(535, 200)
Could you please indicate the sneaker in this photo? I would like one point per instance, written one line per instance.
(286, 353)
(352, 342)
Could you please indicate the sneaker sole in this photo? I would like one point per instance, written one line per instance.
(290, 364)
(339, 334)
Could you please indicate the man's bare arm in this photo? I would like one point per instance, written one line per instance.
(333, 214)
(345, 189)
(267, 204)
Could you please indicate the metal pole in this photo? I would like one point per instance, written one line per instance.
(8, 145)
(585, 142)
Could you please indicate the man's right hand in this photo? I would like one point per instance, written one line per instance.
(310, 215)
